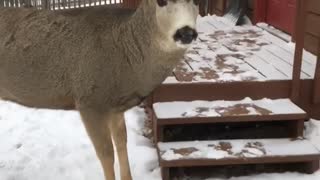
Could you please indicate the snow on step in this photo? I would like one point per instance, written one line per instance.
(247, 106)
(235, 149)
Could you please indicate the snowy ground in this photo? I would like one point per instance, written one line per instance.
(53, 145)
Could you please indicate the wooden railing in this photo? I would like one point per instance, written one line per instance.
(299, 33)
(57, 4)
(312, 42)
(312, 36)
(307, 24)
(206, 6)
(316, 87)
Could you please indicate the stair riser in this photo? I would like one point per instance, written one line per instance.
(217, 131)
(203, 120)
(232, 91)
(226, 161)
(229, 171)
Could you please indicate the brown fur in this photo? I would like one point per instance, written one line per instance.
(99, 61)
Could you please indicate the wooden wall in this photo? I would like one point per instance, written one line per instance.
(312, 36)
(217, 7)
(312, 41)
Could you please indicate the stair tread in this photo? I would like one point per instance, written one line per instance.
(225, 109)
(237, 151)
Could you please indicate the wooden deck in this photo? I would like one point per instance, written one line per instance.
(231, 63)
(224, 133)
(228, 103)
(224, 53)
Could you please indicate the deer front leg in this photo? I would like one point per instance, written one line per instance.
(97, 128)
(119, 135)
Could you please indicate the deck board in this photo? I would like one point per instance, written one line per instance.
(275, 31)
(266, 68)
(289, 47)
(307, 68)
(279, 63)
(215, 22)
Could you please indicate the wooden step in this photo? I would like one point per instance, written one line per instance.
(237, 152)
(279, 113)
(247, 110)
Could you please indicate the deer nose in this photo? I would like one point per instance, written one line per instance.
(186, 35)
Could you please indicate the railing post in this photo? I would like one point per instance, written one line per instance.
(125, 3)
(210, 7)
(316, 87)
(300, 31)
(11, 3)
(44, 4)
(203, 7)
(27, 3)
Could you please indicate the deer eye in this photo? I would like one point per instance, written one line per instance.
(162, 3)
(196, 2)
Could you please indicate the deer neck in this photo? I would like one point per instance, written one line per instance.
(142, 40)
(139, 39)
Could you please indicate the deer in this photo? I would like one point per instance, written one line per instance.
(100, 61)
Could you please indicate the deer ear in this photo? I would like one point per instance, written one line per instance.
(162, 3)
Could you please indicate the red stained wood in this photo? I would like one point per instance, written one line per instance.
(278, 13)
(205, 120)
(260, 11)
(300, 31)
(234, 91)
(316, 89)
(202, 10)
(231, 91)
(311, 43)
(229, 161)
(314, 6)
(281, 13)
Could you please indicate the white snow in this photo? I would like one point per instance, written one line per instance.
(264, 55)
(53, 145)
(268, 148)
(181, 109)
(273, 30)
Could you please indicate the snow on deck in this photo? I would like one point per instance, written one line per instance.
(225, 108)
(224, 53)
(235, 149)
